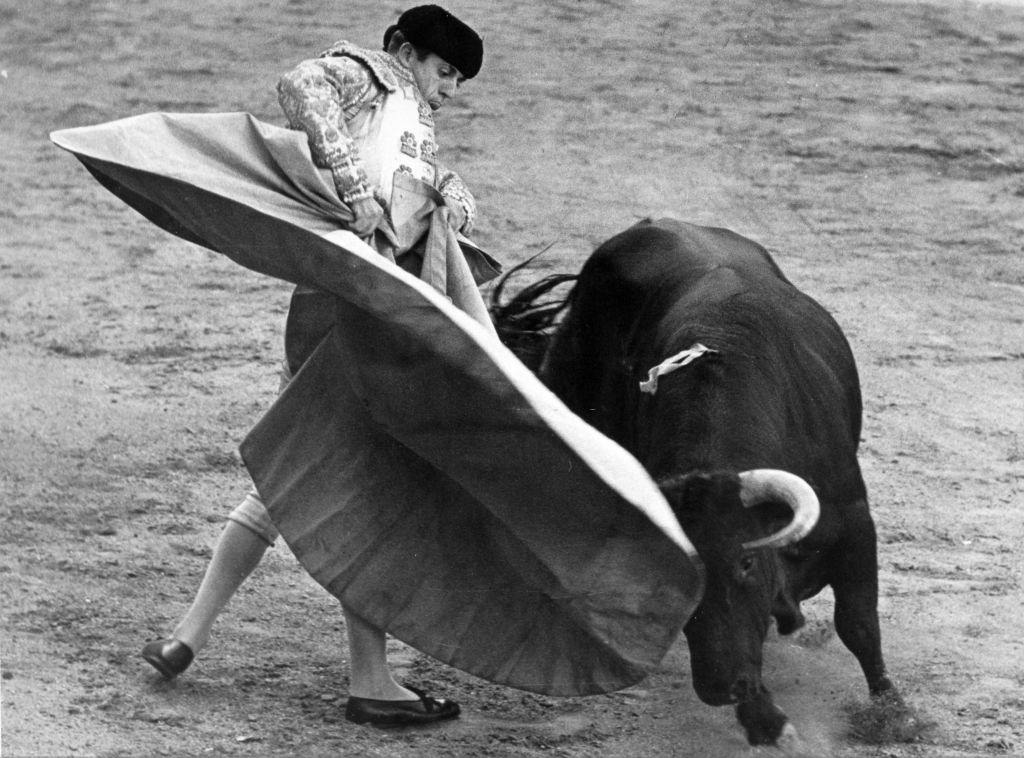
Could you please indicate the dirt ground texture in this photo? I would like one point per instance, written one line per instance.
(876, 148)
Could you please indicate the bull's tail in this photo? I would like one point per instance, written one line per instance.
(526, 321)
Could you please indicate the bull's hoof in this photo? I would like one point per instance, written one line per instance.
(763, 722)
(886, 719)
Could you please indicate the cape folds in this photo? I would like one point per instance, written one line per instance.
(418, 470)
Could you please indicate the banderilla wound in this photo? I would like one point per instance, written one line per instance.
(667, 366)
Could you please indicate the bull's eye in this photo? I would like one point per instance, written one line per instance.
(746, 564)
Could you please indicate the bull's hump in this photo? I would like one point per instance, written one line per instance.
(667, 251)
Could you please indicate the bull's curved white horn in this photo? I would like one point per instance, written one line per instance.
(759, 485)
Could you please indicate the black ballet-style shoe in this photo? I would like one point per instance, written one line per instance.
(426, 710)
(170, 656)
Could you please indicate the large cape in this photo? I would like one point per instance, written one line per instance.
(416, 469)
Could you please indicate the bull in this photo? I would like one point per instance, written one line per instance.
(740, 396)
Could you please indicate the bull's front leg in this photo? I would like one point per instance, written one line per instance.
(854, 583)
(887, 718)
(855, 587)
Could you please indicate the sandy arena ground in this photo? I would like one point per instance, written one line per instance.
(876, 148)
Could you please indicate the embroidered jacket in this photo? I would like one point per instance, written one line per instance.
(323, 96)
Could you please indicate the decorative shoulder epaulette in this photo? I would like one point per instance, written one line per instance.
(378, 61)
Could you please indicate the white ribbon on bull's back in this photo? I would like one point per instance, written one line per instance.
(667, 366)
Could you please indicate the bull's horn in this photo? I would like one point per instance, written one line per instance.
(763, 484)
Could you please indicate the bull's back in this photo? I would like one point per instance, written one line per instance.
(658, 271)
(629, 281)
(651, 253)
(658, 288)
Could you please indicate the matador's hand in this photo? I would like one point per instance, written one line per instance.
(368, 215)
(456, 216)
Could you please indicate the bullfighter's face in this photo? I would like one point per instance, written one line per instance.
(437, 80)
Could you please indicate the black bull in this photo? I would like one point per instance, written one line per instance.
(777, 389)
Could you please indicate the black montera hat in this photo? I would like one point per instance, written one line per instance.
(435, 29)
